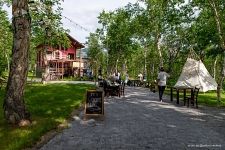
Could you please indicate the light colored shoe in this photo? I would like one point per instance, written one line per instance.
(161, 100)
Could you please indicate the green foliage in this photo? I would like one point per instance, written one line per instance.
(132, 33)
(117, 38)
(208, 32)
(48, 109)
(95, 53)
(5, 41)
(47, 27)
(148, 29)
(2, 2)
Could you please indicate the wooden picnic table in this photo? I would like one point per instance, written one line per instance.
(184, 89)
(111, 89)
(134, 82)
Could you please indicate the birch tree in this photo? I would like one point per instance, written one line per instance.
(15, 111)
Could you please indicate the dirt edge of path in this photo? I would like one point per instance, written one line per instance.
(52, 133)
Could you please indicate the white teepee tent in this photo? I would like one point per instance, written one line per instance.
(194, 74)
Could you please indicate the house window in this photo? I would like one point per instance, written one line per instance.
(57, 55)
(70, 56)
(49, 52)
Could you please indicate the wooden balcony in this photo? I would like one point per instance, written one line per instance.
(51, 57)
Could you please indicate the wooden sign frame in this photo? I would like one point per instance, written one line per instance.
(94, 103)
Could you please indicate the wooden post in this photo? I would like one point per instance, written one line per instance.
(177, 96)
(62, 69)
(171, 94)
(192, 96)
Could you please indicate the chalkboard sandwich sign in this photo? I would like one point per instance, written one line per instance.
(94, 104)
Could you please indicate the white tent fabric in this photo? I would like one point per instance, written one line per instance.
(194, 74)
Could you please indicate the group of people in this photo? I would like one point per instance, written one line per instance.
(161, 80)
(117, 77)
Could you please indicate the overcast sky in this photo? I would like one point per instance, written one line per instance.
(85, 13)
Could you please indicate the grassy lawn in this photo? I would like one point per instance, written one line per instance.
(50, 105)
(210, 99)
(207, 99)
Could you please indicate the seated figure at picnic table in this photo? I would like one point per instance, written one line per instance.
(117, 77)
(140, 76)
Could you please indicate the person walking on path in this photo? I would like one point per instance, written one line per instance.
(162, 78)
(126, 78)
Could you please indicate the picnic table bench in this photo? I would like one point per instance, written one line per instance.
(192, 98)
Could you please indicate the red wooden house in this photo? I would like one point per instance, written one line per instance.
(59, 62)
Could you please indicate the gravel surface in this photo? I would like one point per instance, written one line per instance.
(139, 121)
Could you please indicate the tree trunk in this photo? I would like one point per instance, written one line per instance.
(158, 36)
(124, 69)
(117, 60)
(45, 73)
(145, 66)
(15, 111)
(95, 72)
(221, 79)
(214, 68)
(170, 61)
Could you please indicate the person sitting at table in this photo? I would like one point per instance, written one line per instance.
(117, 77)
(140, 76)
(162, 77)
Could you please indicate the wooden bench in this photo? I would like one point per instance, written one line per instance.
(193, 98)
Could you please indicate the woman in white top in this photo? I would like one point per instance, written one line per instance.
(126, 79)
(162, 78)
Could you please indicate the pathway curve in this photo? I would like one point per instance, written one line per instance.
(139, 121)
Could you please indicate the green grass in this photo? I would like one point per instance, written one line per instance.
(207, 99)
(49, 105)
(210, 99)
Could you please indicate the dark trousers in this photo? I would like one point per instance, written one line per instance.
(161, 91)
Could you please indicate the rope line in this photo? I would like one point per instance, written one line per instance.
(76, 24)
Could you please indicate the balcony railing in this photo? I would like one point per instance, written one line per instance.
(51, 57)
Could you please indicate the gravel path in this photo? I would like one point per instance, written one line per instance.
(139, 121)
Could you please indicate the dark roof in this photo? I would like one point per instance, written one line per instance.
(75, 42)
